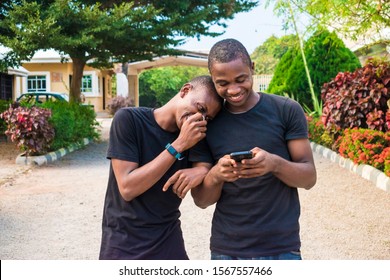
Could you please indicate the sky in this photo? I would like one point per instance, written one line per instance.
(251, 28)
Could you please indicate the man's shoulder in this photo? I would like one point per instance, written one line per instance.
(126, 112)
(132, 110)
(274, 97)
(279, 99)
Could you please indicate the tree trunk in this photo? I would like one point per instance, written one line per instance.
(75, 85)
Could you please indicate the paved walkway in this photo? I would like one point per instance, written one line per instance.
(54, 211)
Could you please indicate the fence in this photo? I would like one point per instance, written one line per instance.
(261, 82)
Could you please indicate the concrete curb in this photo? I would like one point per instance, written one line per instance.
(50, 157)
(366, 171)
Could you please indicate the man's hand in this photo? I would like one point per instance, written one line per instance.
(261, 164)
(185, 179)
(192, 131)
(225, 169)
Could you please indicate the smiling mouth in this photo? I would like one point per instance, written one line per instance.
(236, 97)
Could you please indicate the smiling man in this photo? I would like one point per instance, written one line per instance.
(257, 204)
(146, 147)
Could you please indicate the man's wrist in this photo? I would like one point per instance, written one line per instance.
(173, 151)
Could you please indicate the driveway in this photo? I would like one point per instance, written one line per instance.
(54, 211)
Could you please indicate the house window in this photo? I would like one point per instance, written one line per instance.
(36, 83)
(86, 83)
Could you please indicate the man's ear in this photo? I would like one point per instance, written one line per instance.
(253, 67)
(185, 89)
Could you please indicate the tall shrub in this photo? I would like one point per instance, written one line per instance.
(326, 55)
(278, 83)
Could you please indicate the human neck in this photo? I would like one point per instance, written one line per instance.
(165, 118)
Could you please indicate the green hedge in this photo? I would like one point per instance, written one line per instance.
(72, 123)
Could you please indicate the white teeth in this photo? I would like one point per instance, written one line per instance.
(235, 97)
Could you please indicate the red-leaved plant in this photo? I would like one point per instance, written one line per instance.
(358, 99)
(366, 146)
(29, 128)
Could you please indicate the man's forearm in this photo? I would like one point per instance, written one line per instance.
(209, 191)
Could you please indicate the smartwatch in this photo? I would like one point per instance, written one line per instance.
(173, 151)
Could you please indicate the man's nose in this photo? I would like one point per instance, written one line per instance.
(233, 89)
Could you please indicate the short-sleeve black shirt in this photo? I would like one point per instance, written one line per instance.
(147, 227)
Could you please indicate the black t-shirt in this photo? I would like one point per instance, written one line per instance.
(257, 216)
(148, 227)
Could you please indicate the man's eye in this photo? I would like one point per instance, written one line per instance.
(201, 109)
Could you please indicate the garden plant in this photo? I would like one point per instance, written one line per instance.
(356, 116)
(37, 130)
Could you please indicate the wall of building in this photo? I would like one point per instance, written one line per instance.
(58, 75)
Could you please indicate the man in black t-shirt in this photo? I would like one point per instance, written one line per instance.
(257, 205)
(146, 147)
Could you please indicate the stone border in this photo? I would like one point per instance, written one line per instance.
(50, 157)
(366, 171)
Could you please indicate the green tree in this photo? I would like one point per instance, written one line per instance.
(352, 19)
(326, 55)
(158, 86)
(99, 34)
(267, 55)
(278, 83)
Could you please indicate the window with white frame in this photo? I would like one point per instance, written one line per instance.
(86, 83)
(36, 83)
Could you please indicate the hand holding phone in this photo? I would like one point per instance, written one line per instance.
(238, 156)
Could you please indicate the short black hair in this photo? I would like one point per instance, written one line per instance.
(204, 80)
(207, 82)
(228, 50)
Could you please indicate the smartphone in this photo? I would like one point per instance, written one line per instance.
(238, 156)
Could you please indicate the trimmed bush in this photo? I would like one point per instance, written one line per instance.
(72, 123)
(50, 126)
(362, 146)
(366, 146)
(319, 134)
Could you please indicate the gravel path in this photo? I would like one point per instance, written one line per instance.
(54, 211)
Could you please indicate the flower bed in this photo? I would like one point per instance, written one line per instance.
(362, 146)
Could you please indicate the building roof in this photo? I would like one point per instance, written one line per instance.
(18, 71)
